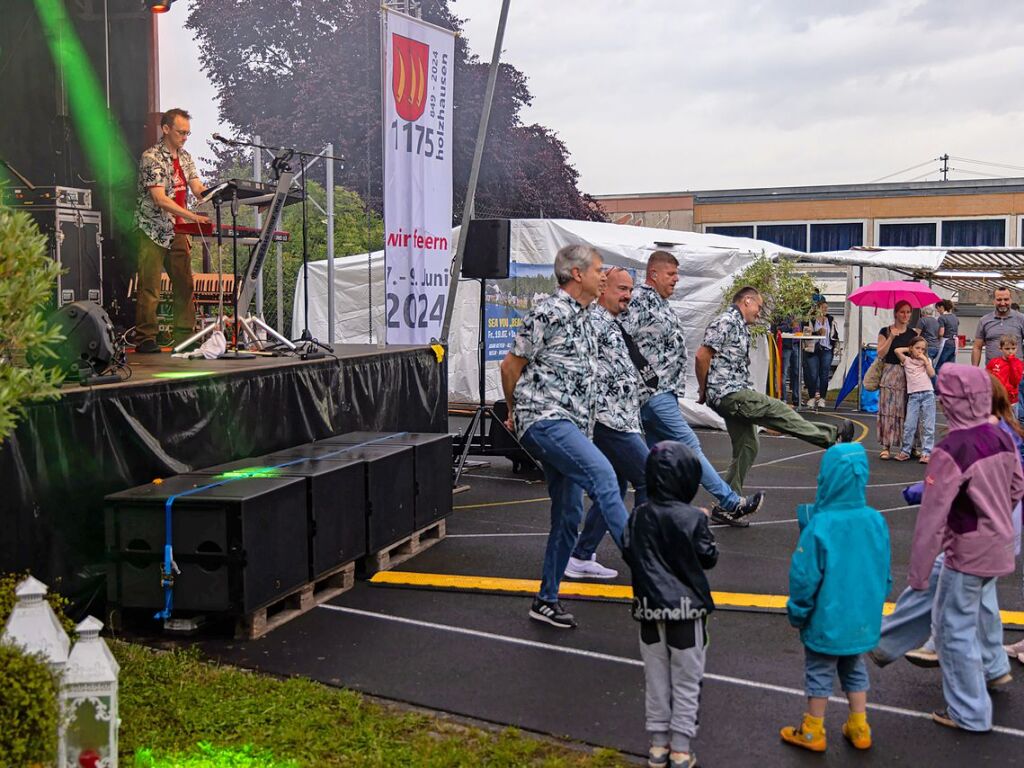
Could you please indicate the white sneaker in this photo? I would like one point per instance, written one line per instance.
(588, 569)
(821, 402)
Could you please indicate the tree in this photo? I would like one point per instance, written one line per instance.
(786, 292)
(27, 280)
(309, 73)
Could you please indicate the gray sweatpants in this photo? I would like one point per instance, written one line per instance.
(673, 667)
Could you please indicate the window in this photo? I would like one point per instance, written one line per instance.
(731, 230)
(968, 232)
(787, 235)
(836, 237)
(907, 235)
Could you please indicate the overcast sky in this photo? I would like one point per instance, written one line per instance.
(662, 95)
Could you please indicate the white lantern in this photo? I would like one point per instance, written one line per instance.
(90, 700)
(35, 628)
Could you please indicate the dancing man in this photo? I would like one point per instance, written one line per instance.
(654, 325)
(549, 380)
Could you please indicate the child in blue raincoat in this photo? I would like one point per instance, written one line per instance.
(838, 581)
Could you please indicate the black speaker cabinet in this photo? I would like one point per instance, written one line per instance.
(389, 483)
(76, 243)
(432, 464)
(335, 503)
(239, 546)
(487, 249)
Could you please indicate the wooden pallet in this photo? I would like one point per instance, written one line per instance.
(261, 621)
(402, 550)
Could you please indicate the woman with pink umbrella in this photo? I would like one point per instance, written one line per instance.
(892, 393)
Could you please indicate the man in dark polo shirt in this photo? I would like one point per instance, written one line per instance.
(1003, 320)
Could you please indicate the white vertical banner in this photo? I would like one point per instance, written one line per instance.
(418, 69)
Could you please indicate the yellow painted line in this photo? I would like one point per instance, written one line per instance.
(501, 503)
(604, 591)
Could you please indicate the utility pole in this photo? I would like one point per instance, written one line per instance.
(945, 166)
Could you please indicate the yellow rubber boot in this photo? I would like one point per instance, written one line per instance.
(857, 731)
(810, 735)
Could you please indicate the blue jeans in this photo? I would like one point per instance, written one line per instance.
(920, 407)
(910, 623)
(820, 671)
(790, 372)
(664, 421)
(968, 638)
(947, 354)
(819, 369)
(571, 465)
(627, 453)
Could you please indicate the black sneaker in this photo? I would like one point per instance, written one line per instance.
(148, 347)
(845, 432)
(725, 517)
(552, 613)
(750, 505)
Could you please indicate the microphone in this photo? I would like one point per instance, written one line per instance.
(220, 138)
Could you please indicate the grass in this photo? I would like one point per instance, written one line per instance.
(180, 711)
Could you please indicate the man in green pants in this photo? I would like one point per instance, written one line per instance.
(723, 378)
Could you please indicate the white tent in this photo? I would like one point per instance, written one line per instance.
(707, 265)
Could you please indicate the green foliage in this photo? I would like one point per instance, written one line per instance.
(27, 279)
(208, 756)
(787, 293)
(172, 702)
(9, 582)
(28, 708)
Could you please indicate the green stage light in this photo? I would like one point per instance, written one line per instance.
(237, 474)
(181, 374)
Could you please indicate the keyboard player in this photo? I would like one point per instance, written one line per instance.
(166, 175)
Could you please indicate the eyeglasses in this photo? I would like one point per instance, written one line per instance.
(182, 133)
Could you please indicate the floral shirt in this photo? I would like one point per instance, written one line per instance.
(658, 332)
(157, 168)
(560, 346)
(729, 336)
(618, 382)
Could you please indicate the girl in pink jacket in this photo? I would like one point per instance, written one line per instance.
(973, 482)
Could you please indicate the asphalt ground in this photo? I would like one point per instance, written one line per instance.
(469, 649)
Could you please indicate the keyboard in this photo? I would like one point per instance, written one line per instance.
(250, 192)
(246, 235)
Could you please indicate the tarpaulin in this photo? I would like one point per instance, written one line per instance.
(66, 455)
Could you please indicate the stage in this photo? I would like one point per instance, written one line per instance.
(174, 416)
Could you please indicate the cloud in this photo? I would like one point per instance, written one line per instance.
(654, 95)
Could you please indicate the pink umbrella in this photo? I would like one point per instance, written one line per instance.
(884, 294)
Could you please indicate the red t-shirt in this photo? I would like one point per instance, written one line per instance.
(1009, 371)
(180, 189)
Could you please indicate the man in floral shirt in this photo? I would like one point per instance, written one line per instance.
(166, 174)
(549, 383)
(617, 431)
(658, 332)
(723, 376)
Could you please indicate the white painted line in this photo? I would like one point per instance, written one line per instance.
(597, 656)
(492, 535)
(787, 458)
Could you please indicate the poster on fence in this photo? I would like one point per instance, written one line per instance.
(418, 65)
(508, 300)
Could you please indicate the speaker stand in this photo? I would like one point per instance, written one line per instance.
(483, 412)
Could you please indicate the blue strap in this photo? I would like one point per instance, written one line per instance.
(169, 567)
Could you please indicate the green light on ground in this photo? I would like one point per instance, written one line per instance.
(208, 756)
(182, 374)
(235, 474)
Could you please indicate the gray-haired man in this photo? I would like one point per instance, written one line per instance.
(549, 379)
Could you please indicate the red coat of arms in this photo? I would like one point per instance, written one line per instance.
(409, 76)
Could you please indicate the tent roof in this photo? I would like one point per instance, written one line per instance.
(980, 268)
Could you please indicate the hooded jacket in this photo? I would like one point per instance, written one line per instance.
(839, 574)
(668, 543)
(973, 482)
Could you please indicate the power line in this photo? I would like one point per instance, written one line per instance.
(986, 162)
(911, 168)
(979, 173)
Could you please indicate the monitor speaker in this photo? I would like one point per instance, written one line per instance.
(487, 249)
(88, 347)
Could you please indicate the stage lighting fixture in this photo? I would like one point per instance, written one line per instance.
(160, 6)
